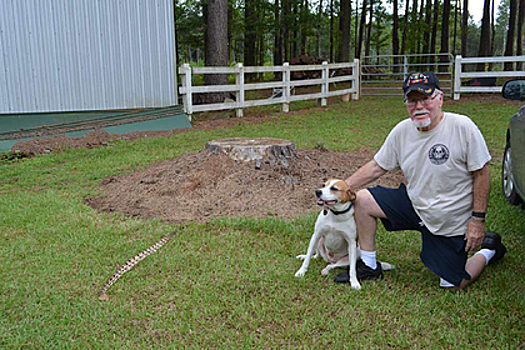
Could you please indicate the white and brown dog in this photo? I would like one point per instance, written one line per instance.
(335, 235)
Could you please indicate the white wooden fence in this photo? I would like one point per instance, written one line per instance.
(285, 85)
(459, 74)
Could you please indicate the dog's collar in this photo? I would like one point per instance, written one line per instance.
(341, 212)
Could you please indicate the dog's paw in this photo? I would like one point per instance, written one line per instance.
(301, 256)
(300, 272)
(325, 271)
(355, 285)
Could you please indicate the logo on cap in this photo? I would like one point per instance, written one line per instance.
(417, 79)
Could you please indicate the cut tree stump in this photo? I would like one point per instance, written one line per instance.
(275, 151)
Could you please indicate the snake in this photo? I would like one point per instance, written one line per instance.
(131, 263)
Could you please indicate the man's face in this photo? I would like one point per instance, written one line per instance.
(425, 111)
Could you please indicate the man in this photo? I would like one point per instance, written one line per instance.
(444, 158)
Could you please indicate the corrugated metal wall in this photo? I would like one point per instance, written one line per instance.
(73, 55)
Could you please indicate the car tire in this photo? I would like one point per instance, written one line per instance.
(507, 179)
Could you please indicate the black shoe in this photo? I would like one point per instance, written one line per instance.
(363, 273)
(492, 241)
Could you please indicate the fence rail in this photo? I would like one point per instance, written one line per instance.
(285, 86)
(383, 75)
(383, 78)
(460, 74)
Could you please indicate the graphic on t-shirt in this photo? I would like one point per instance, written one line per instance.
(438, 154)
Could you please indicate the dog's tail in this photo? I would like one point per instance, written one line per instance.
(386, 266)
(131, 263)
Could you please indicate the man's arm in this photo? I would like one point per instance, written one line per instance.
(369, 172)
(476, 226)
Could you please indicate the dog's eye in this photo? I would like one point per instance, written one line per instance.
(334, 188)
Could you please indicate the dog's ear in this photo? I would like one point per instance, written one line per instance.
(329, 180)
(351, 195)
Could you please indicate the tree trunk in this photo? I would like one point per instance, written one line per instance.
(231, 47)
(455, 30)
(331, 30)
(521, 22)
(250, 34)
(260, 150)
(304, 14)
(492, 33)
(484, 43)
(277, 49)
(286, 29)
(344, 17)
(433, 37)
(369, 31)
(509, 47)
(422, 26)
(395, 35)
(361, 30)
(428, 26)
(445, 35)
(413, 31)
(464, 30)
(216, 53)
(319, 21)
(295, 31)
(405, 29)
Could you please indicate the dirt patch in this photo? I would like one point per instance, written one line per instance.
(203, 185)
(199, 186)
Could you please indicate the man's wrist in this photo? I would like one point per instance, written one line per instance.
(477, 219)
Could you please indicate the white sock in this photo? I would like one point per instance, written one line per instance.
(487, 253)
(369, 258)
(445, 284)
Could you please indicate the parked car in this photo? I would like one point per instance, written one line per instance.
(513, 166)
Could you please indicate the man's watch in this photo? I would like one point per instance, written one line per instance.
(479, 214)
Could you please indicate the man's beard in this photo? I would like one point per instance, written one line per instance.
(421, 124)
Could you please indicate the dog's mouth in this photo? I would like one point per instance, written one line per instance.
(322, 202)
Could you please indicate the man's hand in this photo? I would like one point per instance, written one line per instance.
(475, 235)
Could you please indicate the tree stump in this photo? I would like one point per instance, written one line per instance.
(275, 151)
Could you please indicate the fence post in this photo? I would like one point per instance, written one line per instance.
(286, 87)
(325, 86)
(186, 83)
(239, 94)
(356, 83)
(405, 67)
(457, 78)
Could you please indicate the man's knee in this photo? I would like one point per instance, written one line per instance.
(365, 204)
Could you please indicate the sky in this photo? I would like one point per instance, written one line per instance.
(475, 8)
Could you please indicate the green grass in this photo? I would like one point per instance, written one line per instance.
(230, 283)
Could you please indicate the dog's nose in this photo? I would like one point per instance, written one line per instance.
(318, 193)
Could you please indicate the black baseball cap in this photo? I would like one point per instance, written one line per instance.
(423, 82)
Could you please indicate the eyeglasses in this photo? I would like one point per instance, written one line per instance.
(425, 100)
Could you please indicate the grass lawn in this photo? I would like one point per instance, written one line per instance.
(230, 283)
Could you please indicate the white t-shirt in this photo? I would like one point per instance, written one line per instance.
(437, 165)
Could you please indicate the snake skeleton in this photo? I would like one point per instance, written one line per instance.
(131, 263)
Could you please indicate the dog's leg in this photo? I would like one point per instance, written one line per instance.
(311, 247)
(317, 251)
(340, 263)
(352, 258)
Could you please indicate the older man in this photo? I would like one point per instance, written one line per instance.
(445, 159)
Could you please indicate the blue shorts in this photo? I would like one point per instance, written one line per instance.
(445, 256)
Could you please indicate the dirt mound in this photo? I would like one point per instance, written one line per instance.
(203, 185)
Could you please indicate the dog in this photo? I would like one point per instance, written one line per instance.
(335, 233)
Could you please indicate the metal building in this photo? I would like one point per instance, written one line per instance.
(77, 55)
